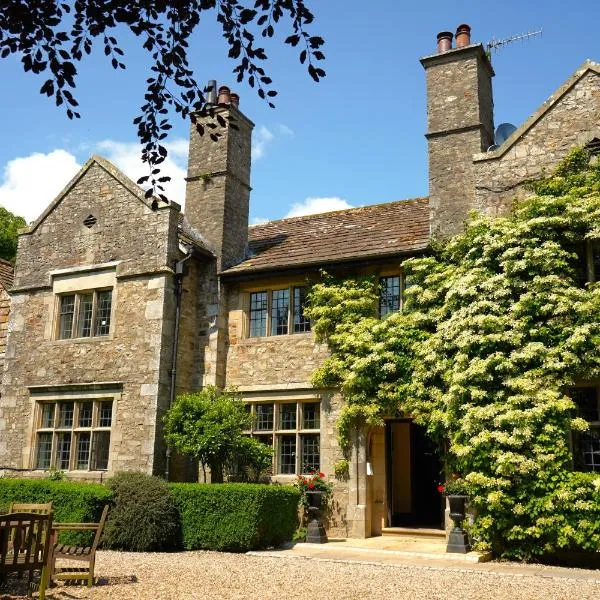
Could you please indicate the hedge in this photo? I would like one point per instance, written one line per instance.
(71, 502)
(235, 517)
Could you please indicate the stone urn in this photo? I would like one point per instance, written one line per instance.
(315, 531)
(458, 541)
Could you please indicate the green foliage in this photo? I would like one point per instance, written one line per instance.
(235, 517)
(9, 225)
(144, 518)
(71, 502)
(251, 461)
(208, 425)
(496, 329)
(341, 469)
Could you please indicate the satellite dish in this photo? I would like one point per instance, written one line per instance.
(503, 132)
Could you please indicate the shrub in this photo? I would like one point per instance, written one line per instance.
(71, 502)
(235, 516)
(144, 517)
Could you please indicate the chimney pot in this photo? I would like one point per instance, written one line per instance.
(444, 41)
(235, 99)
(211, 93)
(463, 36)
(224, 96)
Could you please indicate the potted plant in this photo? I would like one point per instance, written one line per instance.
(455, 489)
(314, 490)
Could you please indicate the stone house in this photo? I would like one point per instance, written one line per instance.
(109, 322)
(6, 278)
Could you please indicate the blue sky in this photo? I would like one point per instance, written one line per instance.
(356, 138)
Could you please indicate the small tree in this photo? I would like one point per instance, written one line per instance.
(9, 226)
(209, 426)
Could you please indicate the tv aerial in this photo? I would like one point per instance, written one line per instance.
(496, 45)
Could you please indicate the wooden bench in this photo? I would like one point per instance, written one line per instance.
(25, 546)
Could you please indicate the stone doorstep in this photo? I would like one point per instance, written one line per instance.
(340, 551)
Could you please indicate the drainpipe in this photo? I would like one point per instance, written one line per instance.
(179, 275)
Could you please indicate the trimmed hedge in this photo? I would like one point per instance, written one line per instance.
(71, 502)
(235, 517)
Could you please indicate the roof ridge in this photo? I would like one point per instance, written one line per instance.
(342, 210)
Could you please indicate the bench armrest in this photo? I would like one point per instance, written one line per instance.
(67, 526)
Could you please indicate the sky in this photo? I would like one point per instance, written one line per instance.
(356, 138)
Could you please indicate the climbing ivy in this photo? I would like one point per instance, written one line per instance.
(497, 326)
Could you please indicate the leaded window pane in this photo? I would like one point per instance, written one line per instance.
(389, 300)
(47, 415)
(86, 303)
(44, 451)
(310, 453)
(301, 321)
(280, 303)
(103, 306)
(85, 414)
(83, 451)
(65, 415)
(264, 417)
(67, 310)
(101, 445)
(287, 454)
(63, 451)
(287, 416)
(311, 412)
(258, 314)
(105, 419)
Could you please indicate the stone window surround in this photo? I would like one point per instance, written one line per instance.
(269, 288)
(80, 280)
(83, 392)
(277, 433)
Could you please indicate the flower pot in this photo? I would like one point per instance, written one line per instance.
(458, 541)
(315, 498)
(315, 531)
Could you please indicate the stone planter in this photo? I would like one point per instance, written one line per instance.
(315, 531)
(458, 541)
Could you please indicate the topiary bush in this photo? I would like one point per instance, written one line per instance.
(235, 517)
(144, 518)
(71, 502)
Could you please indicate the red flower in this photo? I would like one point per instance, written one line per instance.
(321, 475)
(311, 486)
(440, 488)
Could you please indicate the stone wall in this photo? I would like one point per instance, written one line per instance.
(570, 118)
(137, 247)
(4, 312)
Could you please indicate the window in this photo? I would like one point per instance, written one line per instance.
(292, 429)
(84, 314)
(278, 312)
(73, 435)
(586, 445)
(389, 295)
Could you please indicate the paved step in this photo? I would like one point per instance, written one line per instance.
(416, 532)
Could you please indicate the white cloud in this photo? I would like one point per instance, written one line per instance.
(285, 130)
(313, 205)
(258, 220)
(261, 138)
(28, 184)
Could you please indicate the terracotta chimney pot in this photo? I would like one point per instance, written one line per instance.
(235, 99)
(444, 41)
(463, 36)
(224, 96)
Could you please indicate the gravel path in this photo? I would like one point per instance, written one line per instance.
(210, 575)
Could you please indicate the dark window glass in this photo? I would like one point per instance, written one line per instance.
(67, 310)
(264, 417)
(105, 418)
(589, 448)
(103, 306)
(65, 415)
(280, 302)
(47, 415)
(311, 412)
(86, 303)
(258, 314)
(44, 451)
(287, 416)
(287, 454)
(389, 300)
(63, 451)
(85, 414)
(301, 322)
(83, 451)
(586, 399)
(101, 445)
(310, 453)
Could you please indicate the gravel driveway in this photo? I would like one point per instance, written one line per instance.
(210, 575)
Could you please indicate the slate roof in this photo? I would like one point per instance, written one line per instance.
(6, 274)
(381, 230)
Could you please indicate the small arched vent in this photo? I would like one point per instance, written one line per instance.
(90, 221)
(593, 147)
